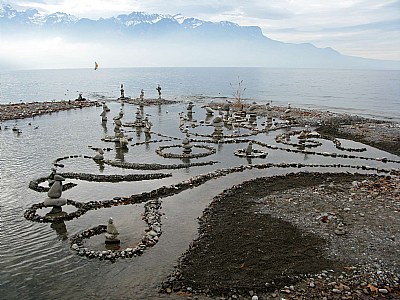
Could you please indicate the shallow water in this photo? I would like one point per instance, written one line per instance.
(36, 260)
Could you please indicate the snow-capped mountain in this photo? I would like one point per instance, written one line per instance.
(140, 37)
(136, 24)
(35, 18)
(32, 17)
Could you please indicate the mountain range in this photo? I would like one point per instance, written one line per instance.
(177, 40)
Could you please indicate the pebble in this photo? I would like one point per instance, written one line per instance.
(383, 291)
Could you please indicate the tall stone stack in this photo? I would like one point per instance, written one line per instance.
(268, 122)
(189, 109)
(158, 89)
(54, 195)
(104, 114)
(147, 126)
(187, 147)
(123, 141)
(118, 124)
(138, 118)
(252, 114)
(218, 127)
(141, 99)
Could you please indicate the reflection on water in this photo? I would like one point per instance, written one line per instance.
(60, 229)
(36, 259)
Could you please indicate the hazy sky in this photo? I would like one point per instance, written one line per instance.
(366, 28)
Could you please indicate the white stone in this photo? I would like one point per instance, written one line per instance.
(112, 232)
(152, 233)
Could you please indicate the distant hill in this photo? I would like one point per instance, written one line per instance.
(190, 41)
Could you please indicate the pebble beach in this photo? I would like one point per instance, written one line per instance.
(29, 110)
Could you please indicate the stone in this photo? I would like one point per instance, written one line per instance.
(118, 122)
(123, 141)
(112, 233)
(158, 89)
(56, 188)
(50, 179)
(383, 291)
(122, 92)
(249, 149)
(55, 202)
(99, 155)
(209, 111)
(190, 107)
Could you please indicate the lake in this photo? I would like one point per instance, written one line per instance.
(370, 93)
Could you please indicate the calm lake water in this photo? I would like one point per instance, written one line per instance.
(363, 92)
(36, 259)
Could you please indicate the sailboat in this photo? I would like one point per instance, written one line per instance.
(96, 65)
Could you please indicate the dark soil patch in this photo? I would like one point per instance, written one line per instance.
(241, 250)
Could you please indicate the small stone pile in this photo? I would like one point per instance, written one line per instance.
(151, 216)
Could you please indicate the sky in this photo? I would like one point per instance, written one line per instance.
(365, 28)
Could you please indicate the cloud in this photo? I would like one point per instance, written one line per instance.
(50, 52)
(322, 22)
(79, 8)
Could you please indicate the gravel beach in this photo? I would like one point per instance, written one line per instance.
(300, 236)
(32, 109)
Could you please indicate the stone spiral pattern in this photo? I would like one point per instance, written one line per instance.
(210, 151)
(153, 198)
